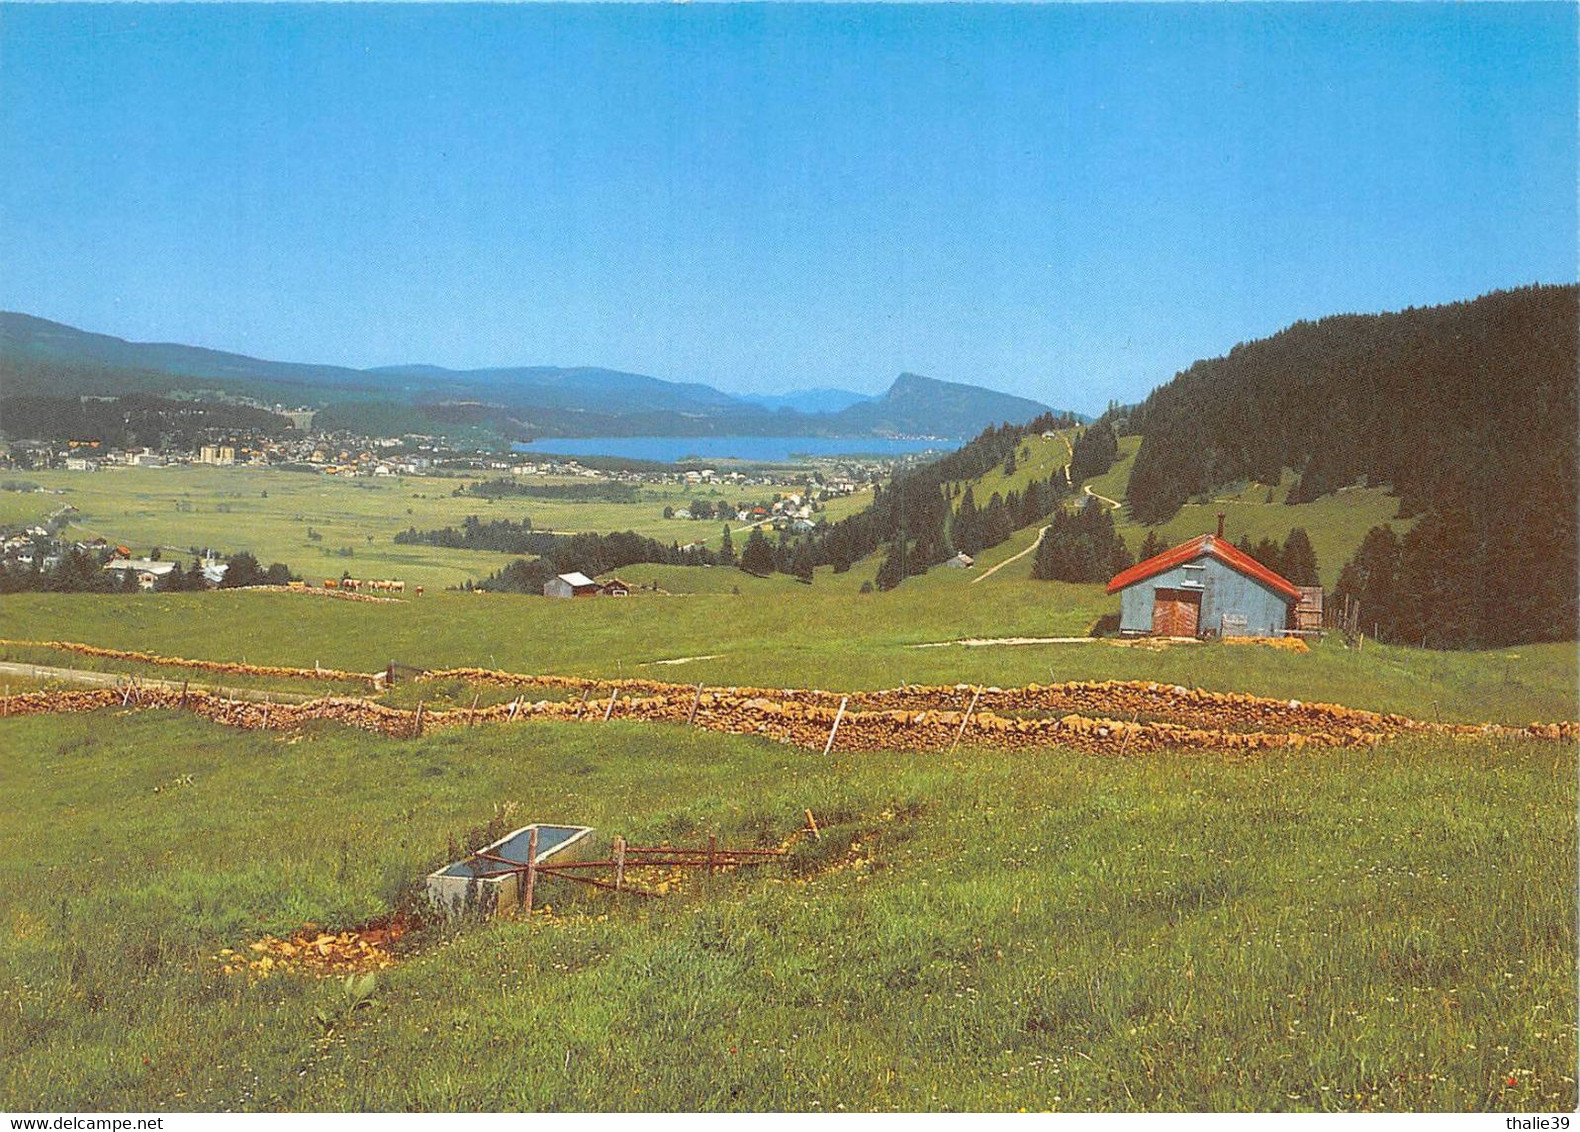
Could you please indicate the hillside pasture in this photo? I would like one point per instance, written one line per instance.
(1336, 523)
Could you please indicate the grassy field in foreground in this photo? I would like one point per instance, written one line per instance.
(776, 633)
(1390, 929)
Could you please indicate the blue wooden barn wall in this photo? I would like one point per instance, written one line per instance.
(1224, 590)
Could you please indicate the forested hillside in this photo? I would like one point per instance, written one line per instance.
(912, 517)
(135, 419)
(1467, 411)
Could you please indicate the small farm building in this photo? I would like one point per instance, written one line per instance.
(570, 585)
(614, 587)
(1204, 587)
(961, 561)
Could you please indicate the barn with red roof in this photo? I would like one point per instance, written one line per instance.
(1204, 587)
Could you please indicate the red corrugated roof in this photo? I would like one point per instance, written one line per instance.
(1220, 549)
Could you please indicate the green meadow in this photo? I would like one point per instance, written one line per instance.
(778, 633)
(1374, 930)
(276, 514)
(19, 508)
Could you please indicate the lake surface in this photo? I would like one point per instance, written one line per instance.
(767, 449)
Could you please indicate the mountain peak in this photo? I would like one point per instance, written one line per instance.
(925, 406)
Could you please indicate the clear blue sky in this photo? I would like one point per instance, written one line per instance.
(1071, 203)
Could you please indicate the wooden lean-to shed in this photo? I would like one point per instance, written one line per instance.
(1205, 587)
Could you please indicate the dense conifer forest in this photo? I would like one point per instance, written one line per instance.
(1467, 411)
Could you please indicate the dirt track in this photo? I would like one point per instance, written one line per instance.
(119, 679)
(224, 667)
(991, 570)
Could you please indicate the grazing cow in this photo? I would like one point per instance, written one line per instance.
(419, 591)
(331, 584)
(398, 587)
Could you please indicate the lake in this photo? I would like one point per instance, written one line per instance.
(764, 449)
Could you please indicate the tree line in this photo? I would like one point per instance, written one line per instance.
(594, 554)
(134, 420)
(1081, 546)
(565, 492)
(81, 572)
(1445, 585)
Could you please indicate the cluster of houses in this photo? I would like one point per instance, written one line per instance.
(38, 549)
(791, 512)
(350, 456)
(34, 548)
(150, 570)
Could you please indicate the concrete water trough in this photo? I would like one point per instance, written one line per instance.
(479, 883)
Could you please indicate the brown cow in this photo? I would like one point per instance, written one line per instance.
(331, 584)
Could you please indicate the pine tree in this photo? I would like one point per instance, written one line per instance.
(758, 557)
(1267, 552)
(243, 570)
(1298, 561)
(892, 572)
(964, 531)
(1371, 578)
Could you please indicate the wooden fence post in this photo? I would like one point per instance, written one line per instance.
(619, 863)
(183, 693)
(532, 870)
(514, 708)
(608, 711)
(696, 701)
(833, 731)
(965, 719)
(471, 718)
(416, 722)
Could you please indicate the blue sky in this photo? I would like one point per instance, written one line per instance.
(1071, 203)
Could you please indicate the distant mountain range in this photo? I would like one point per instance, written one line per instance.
(808, 400)
(43, 358)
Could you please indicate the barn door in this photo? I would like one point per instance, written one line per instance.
(1176, 613)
